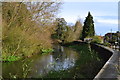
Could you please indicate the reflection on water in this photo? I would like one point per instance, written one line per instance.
(62, 59)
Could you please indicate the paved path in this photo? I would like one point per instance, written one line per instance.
(119, 66)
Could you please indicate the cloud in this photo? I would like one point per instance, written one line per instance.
(107, 21)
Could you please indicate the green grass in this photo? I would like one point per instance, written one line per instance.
(11, 58)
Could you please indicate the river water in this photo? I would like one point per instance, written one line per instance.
(69, 61)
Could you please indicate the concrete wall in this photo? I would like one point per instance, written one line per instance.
(103, 52)
(110, 70)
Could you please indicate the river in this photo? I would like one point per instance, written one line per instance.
(64, 62)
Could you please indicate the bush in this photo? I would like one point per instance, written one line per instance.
(106, 44)
(11, 58)
(96, 39)
(47, 50)
(17, 42)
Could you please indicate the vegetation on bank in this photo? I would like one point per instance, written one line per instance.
(67, 33)
(45, 51)
(96, 39)
(27, 28)
(10, 58)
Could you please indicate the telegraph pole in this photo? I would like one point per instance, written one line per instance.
(111, 39)
(111, 33)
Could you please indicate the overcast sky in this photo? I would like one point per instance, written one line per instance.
(105, 14)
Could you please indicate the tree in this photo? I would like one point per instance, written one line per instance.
(61, 28)
(88, 28)
(73, 32)
(44, 13)
(77, 29)
(25, 29)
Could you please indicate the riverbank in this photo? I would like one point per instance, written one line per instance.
(13, 58)
(26, 52)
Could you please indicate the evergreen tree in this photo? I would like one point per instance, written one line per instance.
(88, 28)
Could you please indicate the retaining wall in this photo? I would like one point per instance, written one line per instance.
(110, 70)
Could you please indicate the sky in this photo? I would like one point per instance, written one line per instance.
(105, 14)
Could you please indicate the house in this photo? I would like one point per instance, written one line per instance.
(112, 38)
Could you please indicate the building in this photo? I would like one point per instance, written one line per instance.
(113, 39)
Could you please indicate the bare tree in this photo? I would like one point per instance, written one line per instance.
(43, 12)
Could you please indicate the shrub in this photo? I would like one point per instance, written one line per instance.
(47, 50)
(11, 58)
(106, 44)
(96, 39)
